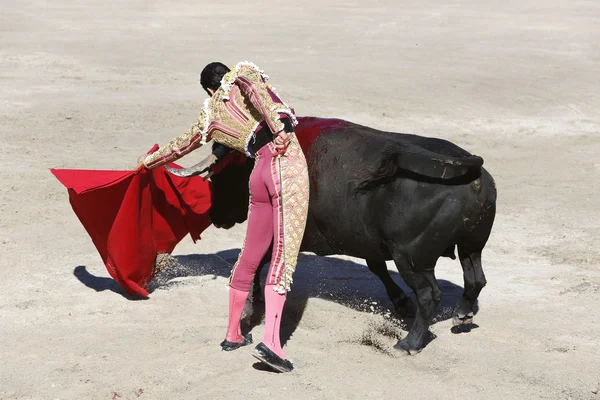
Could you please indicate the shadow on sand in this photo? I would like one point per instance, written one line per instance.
(342, 281)
(100, 284)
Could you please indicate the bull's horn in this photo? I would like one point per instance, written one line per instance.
(195, 170)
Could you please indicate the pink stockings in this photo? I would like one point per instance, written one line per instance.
(273, 309)
(274, 303)
(275, 182)
(237, 300)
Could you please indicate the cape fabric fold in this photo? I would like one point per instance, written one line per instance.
(131, 216)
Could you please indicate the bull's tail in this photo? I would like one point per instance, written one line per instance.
(419, 163)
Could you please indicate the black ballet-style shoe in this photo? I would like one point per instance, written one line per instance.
(266, 355)
(226, 345)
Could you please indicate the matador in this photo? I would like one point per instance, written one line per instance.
(243, 113)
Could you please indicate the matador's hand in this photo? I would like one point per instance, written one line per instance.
(140, 162)
(281, 141)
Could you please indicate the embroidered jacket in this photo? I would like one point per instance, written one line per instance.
(240, 107)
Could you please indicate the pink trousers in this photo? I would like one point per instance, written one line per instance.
(278, 209)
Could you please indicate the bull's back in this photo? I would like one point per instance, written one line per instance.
(360, 224)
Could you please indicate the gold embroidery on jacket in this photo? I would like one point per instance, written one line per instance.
(231, 116)
(177, 147)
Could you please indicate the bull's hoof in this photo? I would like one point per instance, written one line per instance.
(258, 297)
(463, 312)
(462, 319)
(405, 307)
(408, 348)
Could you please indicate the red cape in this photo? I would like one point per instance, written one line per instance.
(131, 216)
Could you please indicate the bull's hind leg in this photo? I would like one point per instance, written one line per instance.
(474, 282)
(429, 294)
(403, 304)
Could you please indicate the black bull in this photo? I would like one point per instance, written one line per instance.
(388, 196)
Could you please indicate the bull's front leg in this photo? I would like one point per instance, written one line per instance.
(257, 291)
(403, 304)
(255, 306)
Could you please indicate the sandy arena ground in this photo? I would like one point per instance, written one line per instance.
(95, 84)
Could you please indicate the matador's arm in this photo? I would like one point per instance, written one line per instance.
(252, 84)
(176, 148)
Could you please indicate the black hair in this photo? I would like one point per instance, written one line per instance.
(211, 75)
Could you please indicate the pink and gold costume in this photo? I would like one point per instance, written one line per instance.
(243, 104)
(279, 187)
